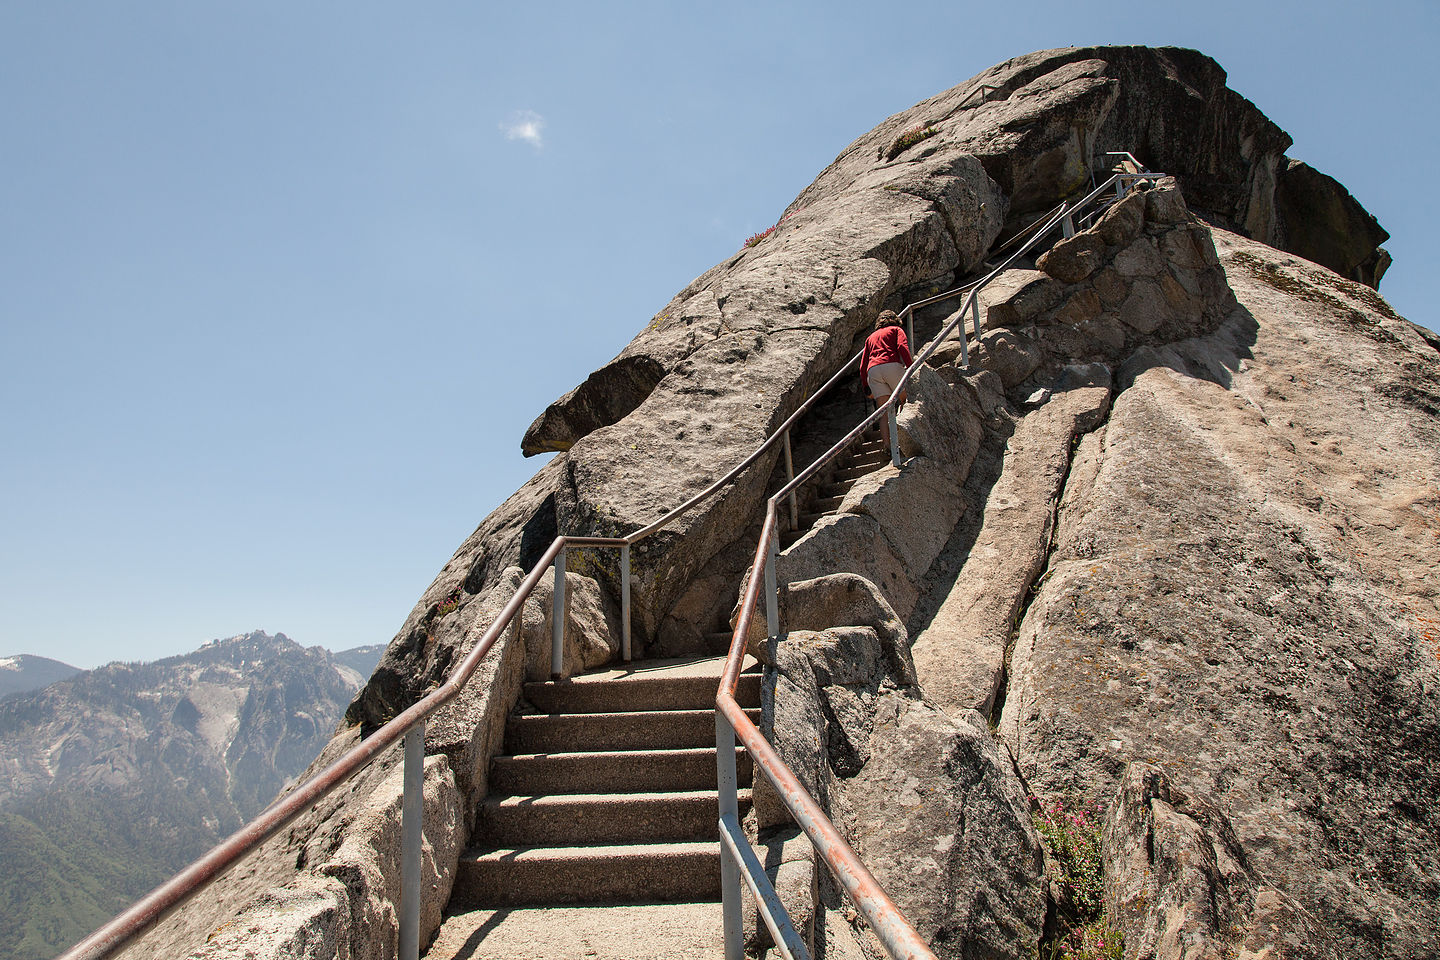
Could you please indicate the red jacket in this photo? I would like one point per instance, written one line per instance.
(886, 345)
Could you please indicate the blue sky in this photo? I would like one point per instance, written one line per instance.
(281, 285)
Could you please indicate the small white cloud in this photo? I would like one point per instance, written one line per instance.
(525, 125)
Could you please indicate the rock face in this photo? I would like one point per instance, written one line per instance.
(1180, 881)
(929, 801)
(735, 351)
(1177, 517)
(1242, 590)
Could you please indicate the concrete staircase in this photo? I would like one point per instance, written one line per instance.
(605, 796)
(865, 456)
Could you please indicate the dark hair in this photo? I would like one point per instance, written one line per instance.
(887, 318)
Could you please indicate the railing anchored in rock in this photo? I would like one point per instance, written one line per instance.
(886, 921)
(738, 859)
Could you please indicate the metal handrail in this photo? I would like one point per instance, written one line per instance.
(886, 919)
(895, 933)
(410, 724)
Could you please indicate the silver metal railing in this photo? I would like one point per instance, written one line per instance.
(895, 933)
(731, 722)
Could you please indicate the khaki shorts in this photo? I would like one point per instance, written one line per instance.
(884, 378)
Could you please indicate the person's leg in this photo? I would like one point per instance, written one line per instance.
(884, 378)
(884, 421)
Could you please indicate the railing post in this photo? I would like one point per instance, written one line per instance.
(909, 325)
(557, 618)
(412, 819)
(1067, 226)
(975, 314)
(894, 436)
(772, 599)
(1120, 188)
(625, 603)
(790, 476)
(729, 807)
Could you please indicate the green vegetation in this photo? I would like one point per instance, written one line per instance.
(1071, 831)
(909, 138)
(73, 861)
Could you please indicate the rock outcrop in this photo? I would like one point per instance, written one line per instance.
(1177, 516)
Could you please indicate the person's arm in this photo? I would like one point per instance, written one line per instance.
(904, 346)
(865, 368)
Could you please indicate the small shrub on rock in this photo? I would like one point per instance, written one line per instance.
(1071, 832)
(909, 138)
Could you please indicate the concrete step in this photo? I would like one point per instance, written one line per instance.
(856, 472)
(837, 488)
(880, 454)
(610, 771)
(638, 730)
(666, 931)
(824, 505)
(579, 819)
(638, 873)
(684, 684)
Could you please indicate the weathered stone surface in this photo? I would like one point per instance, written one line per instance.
(930, 804)
(1159, 282)
(960, 654)
(1071, 260)
(854, 543)
(592, 625)
(1008, 354)
(1082, 307)
(346, 908)
(1320, 221)
(944, 825)
(1179, 884)
(1120, 224)
(1145, 308)
(307, 918)
(1016, 296)
(1242, 592)
(1243, 573)
(939, 422)
(839, 600)
(818, 710)
(606, 396)
(789, 860)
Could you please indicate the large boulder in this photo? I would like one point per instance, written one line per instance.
(1320, 221)
(930, 803)
(1179, 884)
(1241, 588)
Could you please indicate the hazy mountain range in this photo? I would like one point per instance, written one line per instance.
(23, 673)
(112, 779)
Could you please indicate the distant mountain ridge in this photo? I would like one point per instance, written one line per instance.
(114, 778)
(22, 673)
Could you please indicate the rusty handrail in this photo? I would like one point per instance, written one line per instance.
(889, 924)
(167, 897)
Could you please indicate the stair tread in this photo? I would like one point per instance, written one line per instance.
(577, 755)
(678, 931)
(529, 801)
(635, 716)
(639, 671)
(609, 851)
